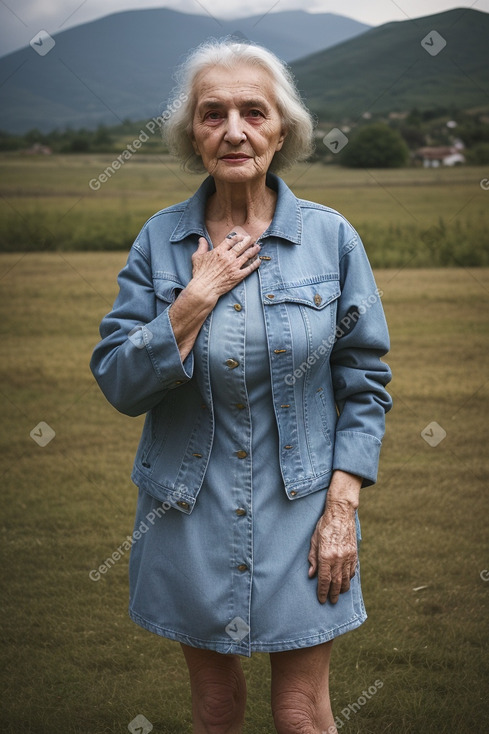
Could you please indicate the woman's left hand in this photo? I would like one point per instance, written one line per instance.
(333, 552)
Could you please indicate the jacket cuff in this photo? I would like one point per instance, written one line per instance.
(163, 351)
(357, 453)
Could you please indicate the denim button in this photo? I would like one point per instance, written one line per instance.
(241, 454)
(242, 567)
(231, 363)
(240, 511)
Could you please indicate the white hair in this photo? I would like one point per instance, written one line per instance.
(229, 53)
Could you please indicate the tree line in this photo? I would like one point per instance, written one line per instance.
(371, 143)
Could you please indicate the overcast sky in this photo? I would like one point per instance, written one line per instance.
(20, 20)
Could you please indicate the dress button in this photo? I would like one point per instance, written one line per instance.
(237, 307)
(183, 505)
(293, 493)
(242, 567)
(241, 454)
(270, 296)
(317, 299)
(240, 511)
(231, 363)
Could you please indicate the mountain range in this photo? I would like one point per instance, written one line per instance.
(120, 67)
(436, 61)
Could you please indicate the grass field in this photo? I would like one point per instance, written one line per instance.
(408, 218)
(73, 661)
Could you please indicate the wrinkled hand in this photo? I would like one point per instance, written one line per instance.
(217, 271)
(333, 553)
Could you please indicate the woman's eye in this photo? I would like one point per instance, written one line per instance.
(254, 113)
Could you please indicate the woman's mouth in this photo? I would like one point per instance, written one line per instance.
(235, 158)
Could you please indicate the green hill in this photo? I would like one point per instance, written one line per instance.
(387, 69)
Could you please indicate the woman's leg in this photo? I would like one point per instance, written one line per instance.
(218, 690)
(300, 691)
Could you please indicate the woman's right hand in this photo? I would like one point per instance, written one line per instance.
(217, 271)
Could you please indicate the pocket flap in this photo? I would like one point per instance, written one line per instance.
(317, 295)
(166, 290)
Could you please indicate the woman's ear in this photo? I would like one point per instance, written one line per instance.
(194, 143)
(283, 135)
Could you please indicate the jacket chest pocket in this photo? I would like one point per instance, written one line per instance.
(166, 291)
(311, 312)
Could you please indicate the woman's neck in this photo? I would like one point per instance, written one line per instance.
(241, 204)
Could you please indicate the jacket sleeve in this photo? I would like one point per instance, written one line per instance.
(138, 359)
(358, 373)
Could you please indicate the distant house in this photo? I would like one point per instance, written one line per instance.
(447, 155)
(39, 149)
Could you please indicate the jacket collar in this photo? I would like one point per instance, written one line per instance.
(286, 223)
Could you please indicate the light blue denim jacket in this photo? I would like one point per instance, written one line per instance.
(326, 334)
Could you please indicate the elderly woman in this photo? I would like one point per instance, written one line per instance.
(249, 329)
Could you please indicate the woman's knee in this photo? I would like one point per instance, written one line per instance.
(218, 690)
(219, 703)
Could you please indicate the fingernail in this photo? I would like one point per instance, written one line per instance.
(230, 235)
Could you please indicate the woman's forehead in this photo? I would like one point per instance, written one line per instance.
(244, 80)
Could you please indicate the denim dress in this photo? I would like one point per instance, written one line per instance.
(232, 576)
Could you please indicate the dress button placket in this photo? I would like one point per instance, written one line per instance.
(240, 470)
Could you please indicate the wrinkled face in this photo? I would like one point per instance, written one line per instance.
(237, 127)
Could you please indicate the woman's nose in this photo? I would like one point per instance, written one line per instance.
(235, 133)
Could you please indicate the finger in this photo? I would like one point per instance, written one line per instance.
(324, 582)
(242, 244)
(345, 584)
(203, 246)
(312, 558)
(335, 586)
